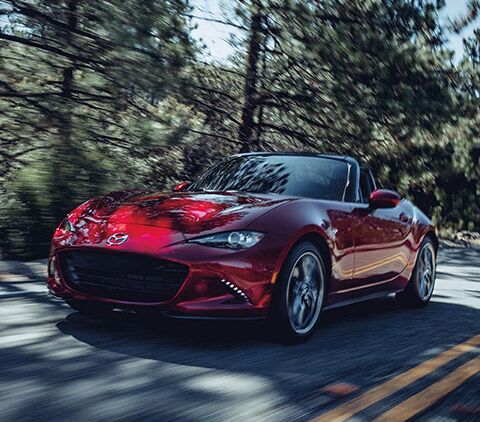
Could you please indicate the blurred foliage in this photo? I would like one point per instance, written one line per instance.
(97, 96)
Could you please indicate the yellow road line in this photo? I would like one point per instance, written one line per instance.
(428, 397)
(375, 394)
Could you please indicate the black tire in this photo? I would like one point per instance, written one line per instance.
(296, 307)
(420, 287)
(90, 308)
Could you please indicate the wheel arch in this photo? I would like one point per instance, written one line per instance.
(321, 244)
(433, 236)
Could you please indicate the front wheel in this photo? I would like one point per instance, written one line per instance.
(299, 294)
(420, 287)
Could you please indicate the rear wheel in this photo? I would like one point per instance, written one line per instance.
(420, 287)
(299, 294)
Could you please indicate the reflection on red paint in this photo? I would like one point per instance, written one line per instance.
(363, 244)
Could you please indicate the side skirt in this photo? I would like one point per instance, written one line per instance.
(361, 299)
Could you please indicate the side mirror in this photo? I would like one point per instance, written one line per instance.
(181, 187)
(384, 198)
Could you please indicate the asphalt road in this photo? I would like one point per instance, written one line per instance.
(373, 360)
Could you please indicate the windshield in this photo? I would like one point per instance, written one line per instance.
(305, 176)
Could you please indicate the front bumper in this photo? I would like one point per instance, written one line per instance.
(220, 283)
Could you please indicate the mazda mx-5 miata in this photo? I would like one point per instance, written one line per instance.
(281, 236)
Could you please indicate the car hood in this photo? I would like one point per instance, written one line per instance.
(190, 214)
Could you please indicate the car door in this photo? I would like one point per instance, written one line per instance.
(340, 231)
(380, 237)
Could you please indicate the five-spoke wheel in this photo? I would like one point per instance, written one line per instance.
(420, 287)
(299, 294)
(305, 292)
(426, 272)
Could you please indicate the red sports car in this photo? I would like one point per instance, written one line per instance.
(281, 236)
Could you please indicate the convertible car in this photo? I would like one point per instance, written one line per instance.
(281, 236)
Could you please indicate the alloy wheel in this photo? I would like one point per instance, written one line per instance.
(426, 272)
(305, 292)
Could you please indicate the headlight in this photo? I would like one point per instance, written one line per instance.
(67, 226)
(231, 240)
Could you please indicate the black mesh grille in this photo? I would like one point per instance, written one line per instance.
(121, 275)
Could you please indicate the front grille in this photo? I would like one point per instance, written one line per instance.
(121, 275)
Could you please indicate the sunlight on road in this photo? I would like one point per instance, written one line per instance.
(108, 369)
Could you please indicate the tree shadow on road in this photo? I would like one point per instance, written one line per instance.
(346, 336)
(126, 367)
(97, 363)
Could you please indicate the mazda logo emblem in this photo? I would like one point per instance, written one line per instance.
(117, 239)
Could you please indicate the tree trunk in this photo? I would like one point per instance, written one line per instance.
(248, 131)
(72, 26)
(64, 166)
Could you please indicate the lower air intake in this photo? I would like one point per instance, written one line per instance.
(121, 276)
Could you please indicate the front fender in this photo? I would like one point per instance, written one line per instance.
(328, 220)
